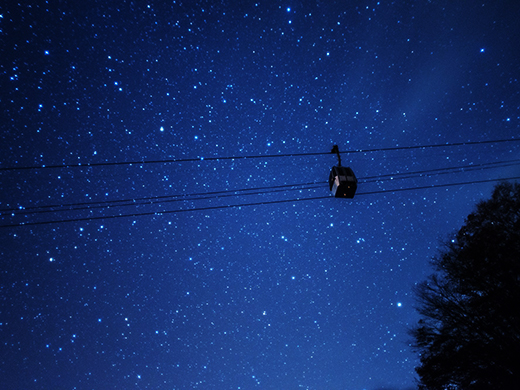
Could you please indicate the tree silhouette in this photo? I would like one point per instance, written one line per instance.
(468, 336)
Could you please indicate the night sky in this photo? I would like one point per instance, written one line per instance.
(282, 292)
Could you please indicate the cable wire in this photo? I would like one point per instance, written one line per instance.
(199, 159)
(163, 212)
(151, 199)
(159, 199)
(440, 185)
(441, 171)
(56, 208)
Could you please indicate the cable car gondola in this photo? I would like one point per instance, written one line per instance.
(342, 181)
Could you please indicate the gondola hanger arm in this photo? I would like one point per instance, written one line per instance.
(335, 149)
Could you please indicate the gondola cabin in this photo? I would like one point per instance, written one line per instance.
(342, 182)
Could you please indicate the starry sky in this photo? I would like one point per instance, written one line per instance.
(108, 280)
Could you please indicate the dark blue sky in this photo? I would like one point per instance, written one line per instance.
(313, 294)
